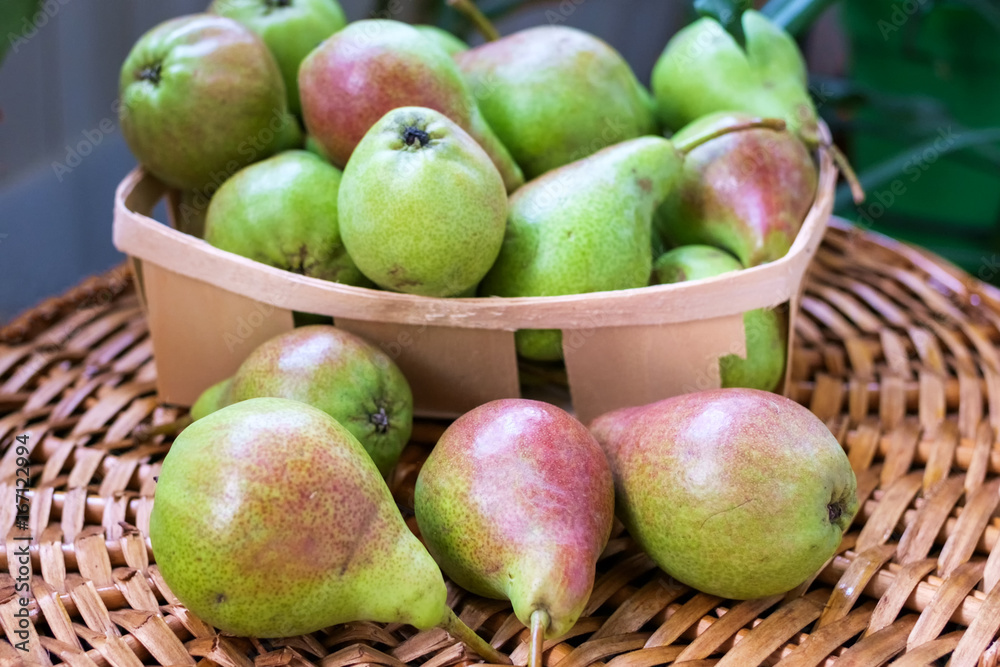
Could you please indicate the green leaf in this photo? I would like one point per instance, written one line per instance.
(795, 15)
(892, 168)
(15, 20)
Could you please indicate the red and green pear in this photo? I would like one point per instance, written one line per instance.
(202, 97)
(747, 192)
(516, 501)
(270, 520)
(738, 493)
(335, 371)
(374, 66)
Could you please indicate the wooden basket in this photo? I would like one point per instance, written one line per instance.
(896, 351)
(208, 309)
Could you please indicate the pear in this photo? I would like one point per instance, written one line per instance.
(749, 496)
(290, 29)
(270, 520)
(422, 208)
(746, 192)
(333, 370)
(766, 344)
(374, 66)
(202, 97)
(283, 212)
(451, 44)
(555, 94)
(703, 70)
(535, 535)
(584, 227)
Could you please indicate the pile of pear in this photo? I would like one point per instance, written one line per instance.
(383, 155)
(272, 515)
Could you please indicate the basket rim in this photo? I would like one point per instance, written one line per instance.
(142, 237)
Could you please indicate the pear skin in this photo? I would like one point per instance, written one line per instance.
(291, 30)
(766, 338)
(282, 212)
(374, 66)
(332, 370)
(271, 521)
(538, 88)
(214, 398)
(422, 208)
(704, 70)
(747, 192)
(736, 492)
(201, 97)
(516, 501)
(585, 227)
(448, 42)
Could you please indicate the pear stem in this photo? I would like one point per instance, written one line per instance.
(454, 626)
(857, 192)
(143, 433)
(474, 14)
(539, 625)
(775, 124)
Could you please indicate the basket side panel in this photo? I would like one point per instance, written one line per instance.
(201, 333)
(616, 367)
(451, 371)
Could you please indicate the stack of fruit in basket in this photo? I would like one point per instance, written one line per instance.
(533, 165)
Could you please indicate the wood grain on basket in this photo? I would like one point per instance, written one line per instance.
(896, 352)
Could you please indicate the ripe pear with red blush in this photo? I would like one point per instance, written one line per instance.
(371, 67)
(328, 368)
(746, 192)
(516, 501)
(739, 493)
(271, 521)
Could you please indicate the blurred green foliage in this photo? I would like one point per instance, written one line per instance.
(16, 19)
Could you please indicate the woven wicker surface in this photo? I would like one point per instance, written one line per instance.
(896, 352)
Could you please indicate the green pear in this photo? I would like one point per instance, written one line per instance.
(270, 520)
(371, 67)
(555, 94)
(290, 28)
(585, 227)
(422, 208)
(451, 44)
(746, 192)
(703, 70)
(535, 537)
(766, 346)
(202, 97)
(333, 370)
(750, 494)
(283, 212)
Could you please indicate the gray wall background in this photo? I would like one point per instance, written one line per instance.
(57, 87)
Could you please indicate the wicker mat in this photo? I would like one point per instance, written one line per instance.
(896, 351)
